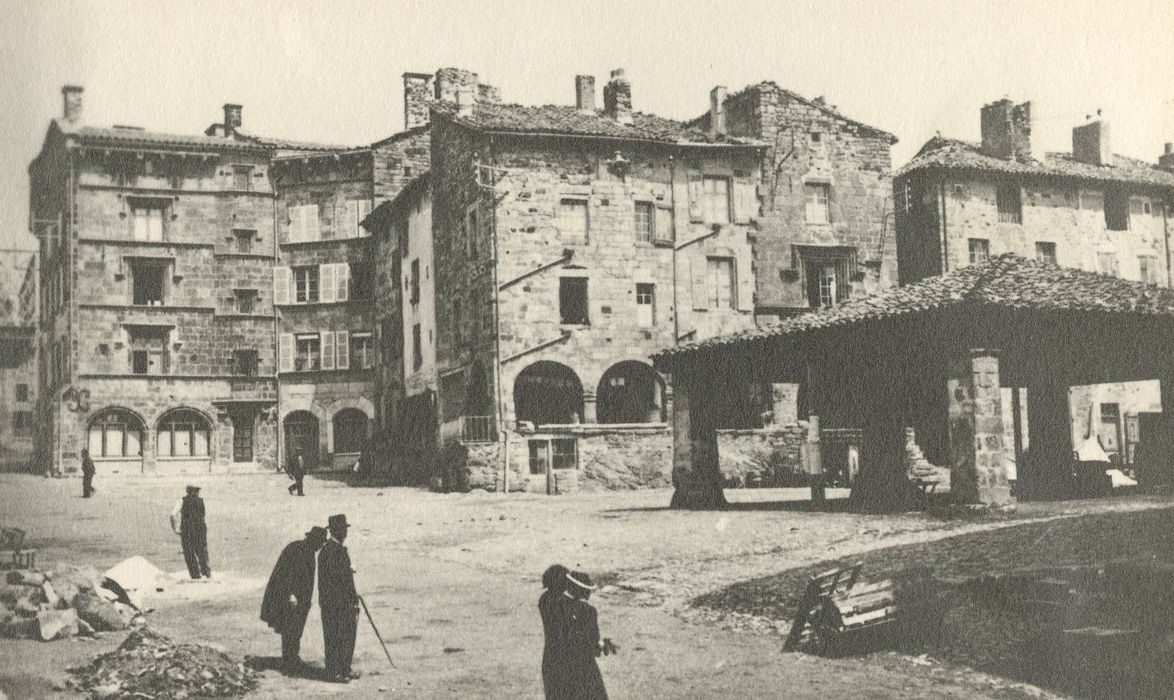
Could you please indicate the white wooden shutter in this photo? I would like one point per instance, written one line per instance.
(296, 231)
(326, 343)
(343, 343)
(310, 228)
(696, 194)
(663, 230)
(745, 200)
(281, 285)
(326, 284)
(285, 353)
(744, 283)
(342, 276)
(699, 269)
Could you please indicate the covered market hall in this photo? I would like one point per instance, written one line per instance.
(936, 356)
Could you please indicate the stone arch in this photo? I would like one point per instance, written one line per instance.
(548, 392)
(301, 433)
(361, 403)
(350, 429)
(184, 431)
(630, 391)
(103, 431)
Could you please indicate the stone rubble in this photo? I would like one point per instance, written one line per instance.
(59, 604)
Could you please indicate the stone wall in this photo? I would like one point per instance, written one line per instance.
(399, 159)
(764, 457)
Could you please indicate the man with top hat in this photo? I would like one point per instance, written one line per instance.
(580, 676)
(187, 519)
(338, 601)
(287, 596)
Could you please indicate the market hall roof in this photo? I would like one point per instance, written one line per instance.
(1007, 282)
(954, 154)
(565, 120)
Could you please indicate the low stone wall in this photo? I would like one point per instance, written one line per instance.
(762, 456)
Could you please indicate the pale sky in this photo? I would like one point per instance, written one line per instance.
(330, 71)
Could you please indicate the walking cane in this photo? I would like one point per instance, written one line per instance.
(376, 629)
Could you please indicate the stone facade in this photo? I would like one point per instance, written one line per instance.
(765, 457)
(846, 235)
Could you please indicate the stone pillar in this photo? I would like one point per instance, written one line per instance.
(785, 403)
(1048, 457)
(978, 473)
(697, 480)
(589, 405)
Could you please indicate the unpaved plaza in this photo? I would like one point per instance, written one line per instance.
(453, 581)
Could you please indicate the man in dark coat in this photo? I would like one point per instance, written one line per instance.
(338, 601)
(581, 678)
(287, 596)
(551, 607)
(188, 521)
(297, 472)
(87, 474)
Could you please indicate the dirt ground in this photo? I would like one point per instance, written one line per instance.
(452, 581)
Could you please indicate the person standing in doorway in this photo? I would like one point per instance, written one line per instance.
(87, 474)
(338, 601)
(287, 596)
(187, 519)
(297, 472)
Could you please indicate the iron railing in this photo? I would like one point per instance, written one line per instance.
(469, 429)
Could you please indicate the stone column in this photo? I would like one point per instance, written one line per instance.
(1048, 458)
(589, 412)
(978, 473)
(696, 477)
(785, 403)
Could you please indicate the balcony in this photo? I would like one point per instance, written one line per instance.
(469, 429)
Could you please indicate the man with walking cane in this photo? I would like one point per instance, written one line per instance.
(338, 601)
(287, 596)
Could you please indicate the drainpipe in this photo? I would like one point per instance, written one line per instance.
(1166, 240)
(505, 433)
(276, 336)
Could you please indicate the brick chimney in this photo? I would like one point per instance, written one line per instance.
(717, 110)
(1166, 160)
(617, 97)
(232, 118)
(1090, 144)
(450, 81)
(1006, 130)
(417, 95)
(585, 93)
(71, 99)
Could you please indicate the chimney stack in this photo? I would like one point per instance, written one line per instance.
(232, 118)
(717, 110)
(1166, 160)
(1090, 144)
(71, 110)
(585, 93)
(466, 97)
(1006, 130)
(417, 95)
(617, 97)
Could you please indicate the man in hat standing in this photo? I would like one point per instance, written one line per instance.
(87, 474)
(338, 601)
(287, 596)
(297, 472)
(187, 519)
(580, 676)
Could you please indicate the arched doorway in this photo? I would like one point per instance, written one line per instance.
(301, 437)
(548, 393)
(183, 433)
(116, 434)
(350, 431)
(630, 392)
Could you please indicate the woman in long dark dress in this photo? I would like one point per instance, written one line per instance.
(550, 606)
(581, 673)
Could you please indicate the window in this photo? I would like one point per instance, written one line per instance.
(244, 363)
(1107, 264)
(362, 282)
(148, 351)
(182, 433)
(645, 304)
(715, 200)
(1116, 209)
(22, 392)
(415, 282)
(115, 433)
(242, 177)
(417, 349)
(356, 211)
(246, 301)
(572, 219)
(148, 281)
(979, 249)
(303, 223)
(244, 239)
(307, 353)
(721, 283)
(1147, 267)
(350, 431)
(826, 279)
(22, 423)
(362, 351)
(816, 137)
(818, 202)
(306, 284)
(1045, 252)
(645, 221)
(242, 437)
(147, 221)
(561, 453)
(472, 232)
(572, 301)
(1008, 200)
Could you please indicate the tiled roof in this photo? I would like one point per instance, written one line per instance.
(702, 122)
(291, 145)
(1008, 281)
(122, 136)
(566, 120)
(946, 153)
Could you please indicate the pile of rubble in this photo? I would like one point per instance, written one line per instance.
(66, 602)
(151, 665)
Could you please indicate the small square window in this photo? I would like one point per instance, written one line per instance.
(246, 301)
(1107, 264)
(244, 363)
(1045, 252)
(242, 177)
(244, 239)
(979, 249)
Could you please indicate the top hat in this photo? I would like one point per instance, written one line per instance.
(192, 488)
(337, 521)
(316, 531)
(581, 579)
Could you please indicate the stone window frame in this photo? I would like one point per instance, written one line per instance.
(127, 425)
(646, 298)
(711, 199)
(568, 284)
(1045, 251)
(1009, 203)
(141, 342)
(242, 173)
(245, 300)
(576, 200)
(714, 299)
(243, 239)
(175, 423)
(136, 204)
(812, 205)
(417, 347)
(644, 222)
(978, 250)
(567, 458)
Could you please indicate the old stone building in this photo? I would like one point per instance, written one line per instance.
(570, 243)
(826, 232)
(960, 203)
(18, 376)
